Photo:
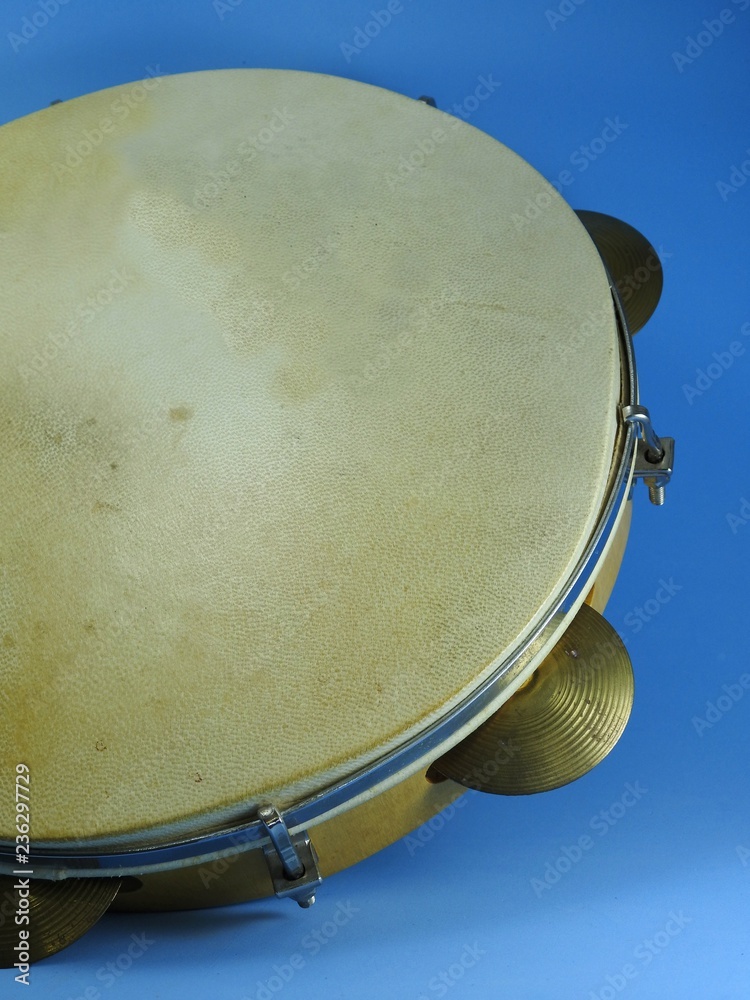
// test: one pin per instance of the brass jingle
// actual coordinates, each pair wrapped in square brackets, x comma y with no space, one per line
[625,253]
[557,726]
[59,913]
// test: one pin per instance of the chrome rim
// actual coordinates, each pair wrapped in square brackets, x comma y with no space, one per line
[222,840]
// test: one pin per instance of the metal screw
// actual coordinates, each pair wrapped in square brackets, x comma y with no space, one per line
[656,495]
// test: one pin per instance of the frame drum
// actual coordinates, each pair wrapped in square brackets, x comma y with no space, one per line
[313,447]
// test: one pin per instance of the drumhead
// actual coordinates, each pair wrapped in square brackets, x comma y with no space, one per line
[307,419]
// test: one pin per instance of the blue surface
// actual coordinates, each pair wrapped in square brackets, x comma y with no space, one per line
[656,902]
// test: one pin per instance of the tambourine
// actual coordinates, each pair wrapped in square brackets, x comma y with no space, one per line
[316,456]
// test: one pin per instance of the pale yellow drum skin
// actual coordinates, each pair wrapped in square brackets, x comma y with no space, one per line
[348,837]
[296,446]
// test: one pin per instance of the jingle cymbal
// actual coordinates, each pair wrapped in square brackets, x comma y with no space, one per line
[59,913]
[559,725]
[631,260]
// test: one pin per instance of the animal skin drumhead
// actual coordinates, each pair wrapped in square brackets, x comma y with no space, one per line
[305,424]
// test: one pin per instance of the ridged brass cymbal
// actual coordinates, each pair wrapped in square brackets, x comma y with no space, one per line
[631,260]
[557,726]
[59,913]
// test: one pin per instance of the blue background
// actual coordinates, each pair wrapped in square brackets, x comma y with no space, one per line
[411,913]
